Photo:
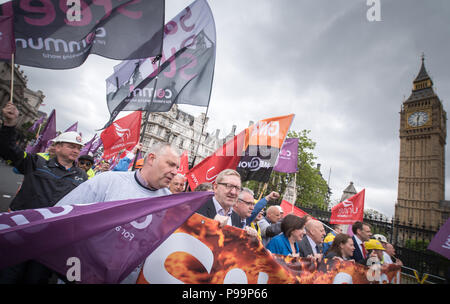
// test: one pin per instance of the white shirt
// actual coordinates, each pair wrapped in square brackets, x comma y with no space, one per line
[313,244]
[221,211]
[360,244]
[387,258]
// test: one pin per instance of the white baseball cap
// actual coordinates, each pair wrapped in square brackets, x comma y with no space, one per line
[69,137]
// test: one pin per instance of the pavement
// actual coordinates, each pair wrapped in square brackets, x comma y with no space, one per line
[9,183]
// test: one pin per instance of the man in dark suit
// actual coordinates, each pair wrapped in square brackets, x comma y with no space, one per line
[311,244]
[226,191]
[361,233]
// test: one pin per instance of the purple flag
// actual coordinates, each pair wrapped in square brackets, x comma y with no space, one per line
[288,157]
[109,239]
[87,146]
[7,45]
[186,72]
[96,145]
[441,241]
[56,34]
[46,136]
[36,124]
[73,127]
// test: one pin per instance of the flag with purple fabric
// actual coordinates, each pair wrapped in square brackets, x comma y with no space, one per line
[36,124]
[73,127]
[185,73]
[108,239]
[441,241]
[95,146]
[46,136]
[87,146]
[288,157]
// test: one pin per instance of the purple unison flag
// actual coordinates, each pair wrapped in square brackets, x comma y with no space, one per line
[186,72]
[46,136]
[73,127]
[288,157]
[7,45]
[441,241]
[56,34]
[109,239]
[36,124]
[87,146]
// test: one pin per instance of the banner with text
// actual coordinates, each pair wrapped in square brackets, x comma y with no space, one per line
[56,34]
[199,252]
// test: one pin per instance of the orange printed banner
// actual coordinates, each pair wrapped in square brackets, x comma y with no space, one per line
[199,252]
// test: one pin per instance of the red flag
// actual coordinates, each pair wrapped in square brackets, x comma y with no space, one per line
[349,211]
[226,157]
[122,134]
[289,208]
[184,163]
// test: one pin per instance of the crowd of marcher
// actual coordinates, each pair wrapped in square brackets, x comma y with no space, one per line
[60,176]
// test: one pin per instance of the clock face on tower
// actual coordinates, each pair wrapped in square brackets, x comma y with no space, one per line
[417,119]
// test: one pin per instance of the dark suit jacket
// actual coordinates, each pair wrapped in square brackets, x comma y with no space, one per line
[305,247]
[209,210]
[357,254]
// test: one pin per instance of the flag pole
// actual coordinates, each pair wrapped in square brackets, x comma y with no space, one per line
[147,113]
[262,191]
[200,138]
[12,78]
[295,197]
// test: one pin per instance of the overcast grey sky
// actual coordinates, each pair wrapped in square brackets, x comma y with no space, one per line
[344,78]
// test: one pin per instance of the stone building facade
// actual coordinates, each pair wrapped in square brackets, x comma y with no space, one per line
[26,100]
[183,130]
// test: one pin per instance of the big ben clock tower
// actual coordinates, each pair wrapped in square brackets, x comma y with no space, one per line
[421,180]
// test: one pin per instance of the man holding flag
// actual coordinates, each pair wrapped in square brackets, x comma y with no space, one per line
[45,182]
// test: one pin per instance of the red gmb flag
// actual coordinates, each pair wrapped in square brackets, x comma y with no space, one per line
[184,163]
[349,211]
[123,134]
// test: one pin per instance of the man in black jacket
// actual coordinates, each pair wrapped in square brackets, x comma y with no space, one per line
[226,191]
[45,182]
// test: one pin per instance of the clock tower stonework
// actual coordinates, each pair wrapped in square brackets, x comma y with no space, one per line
[421,180]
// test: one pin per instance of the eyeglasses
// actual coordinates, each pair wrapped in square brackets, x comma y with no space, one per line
[230,187]
[83,162]
[247,203]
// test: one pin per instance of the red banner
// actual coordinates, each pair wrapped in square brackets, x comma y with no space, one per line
[199,252]
[184,164]
[349,211]
[289,208]
[123,134]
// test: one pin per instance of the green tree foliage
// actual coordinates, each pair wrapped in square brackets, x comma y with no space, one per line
[312,189]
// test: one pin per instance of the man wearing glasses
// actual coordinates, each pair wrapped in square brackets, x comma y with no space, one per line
[226,191]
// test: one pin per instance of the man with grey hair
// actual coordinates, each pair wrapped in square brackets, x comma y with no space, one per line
[177,184]
[244,206]
[226,191]
[311,245]
[160,166]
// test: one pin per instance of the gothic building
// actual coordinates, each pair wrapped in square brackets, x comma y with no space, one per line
[421,180]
